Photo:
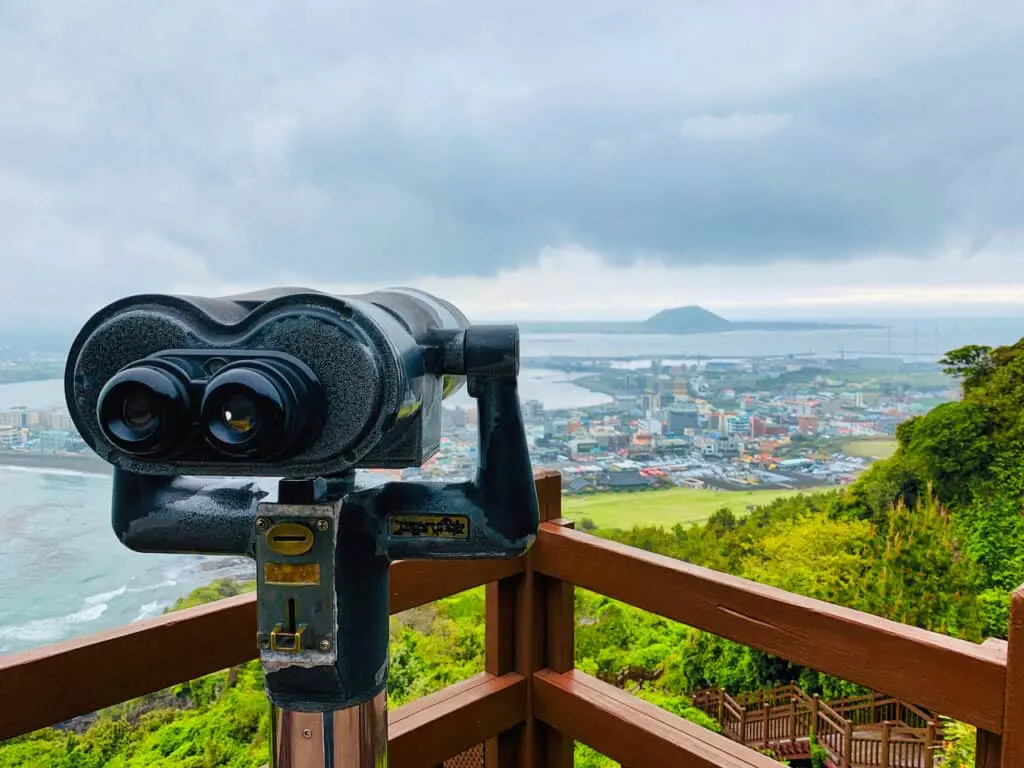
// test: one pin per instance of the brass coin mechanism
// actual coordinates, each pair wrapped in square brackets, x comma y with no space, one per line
[295,609]
[289,539]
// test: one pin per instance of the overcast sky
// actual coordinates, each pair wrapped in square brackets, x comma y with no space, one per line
[527,159]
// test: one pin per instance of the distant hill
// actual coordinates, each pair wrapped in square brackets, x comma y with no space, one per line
[688,319]
[691,319]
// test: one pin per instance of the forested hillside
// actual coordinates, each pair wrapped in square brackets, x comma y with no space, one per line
[933,536]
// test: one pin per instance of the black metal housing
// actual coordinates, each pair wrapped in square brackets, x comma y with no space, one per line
[360,379]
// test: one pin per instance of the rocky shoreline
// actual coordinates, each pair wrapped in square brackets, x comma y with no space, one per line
[68,462]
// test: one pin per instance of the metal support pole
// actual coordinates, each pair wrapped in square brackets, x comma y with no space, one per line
[354,737]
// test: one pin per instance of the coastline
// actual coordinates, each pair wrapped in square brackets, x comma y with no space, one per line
[68,462]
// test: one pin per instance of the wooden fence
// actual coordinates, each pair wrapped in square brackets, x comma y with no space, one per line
[530,703]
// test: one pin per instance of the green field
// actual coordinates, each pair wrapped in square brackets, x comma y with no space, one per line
[661,508]
[871,449]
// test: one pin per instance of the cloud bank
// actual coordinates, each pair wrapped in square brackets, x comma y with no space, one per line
[148,146]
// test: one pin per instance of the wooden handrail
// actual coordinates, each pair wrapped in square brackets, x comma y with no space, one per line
[425,732]
[731,706]
[834,718]
[770,696]
[630,730]
[876,652]
[107,668]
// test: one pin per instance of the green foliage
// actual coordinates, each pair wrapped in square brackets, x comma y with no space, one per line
[961,740]
[968,458]
[814,556]
[585,757]
[919,575]
[819,755]
[972,364]
[449,648]
[216,590]
[952,448]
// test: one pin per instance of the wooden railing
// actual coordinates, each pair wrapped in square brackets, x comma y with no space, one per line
[782,719]
[878,707]
[530,703]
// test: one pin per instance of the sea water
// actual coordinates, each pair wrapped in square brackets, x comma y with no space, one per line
[63,571]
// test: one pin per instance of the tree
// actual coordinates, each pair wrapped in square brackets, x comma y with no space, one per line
[952,448]
[919,573]
[971,364]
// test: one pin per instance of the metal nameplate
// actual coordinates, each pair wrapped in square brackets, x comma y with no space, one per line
[301,575]
[429,526]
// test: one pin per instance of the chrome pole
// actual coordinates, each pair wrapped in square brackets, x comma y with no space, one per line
[355,737]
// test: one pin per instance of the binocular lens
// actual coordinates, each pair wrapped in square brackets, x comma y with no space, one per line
[245,411]
[143,409]
[139,410]
[240,414]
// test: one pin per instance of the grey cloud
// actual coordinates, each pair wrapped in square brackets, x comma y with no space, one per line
[143,145]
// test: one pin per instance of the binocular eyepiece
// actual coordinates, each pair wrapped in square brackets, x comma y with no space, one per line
[257,407]
[288,382]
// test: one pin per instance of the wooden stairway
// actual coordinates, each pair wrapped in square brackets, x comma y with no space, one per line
[871,731]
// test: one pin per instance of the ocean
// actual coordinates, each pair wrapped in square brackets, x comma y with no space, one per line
[63,573]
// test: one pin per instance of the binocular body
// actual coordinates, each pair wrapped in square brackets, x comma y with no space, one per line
[287,382]
[308,387]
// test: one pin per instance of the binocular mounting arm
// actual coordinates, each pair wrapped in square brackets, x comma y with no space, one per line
[153,513]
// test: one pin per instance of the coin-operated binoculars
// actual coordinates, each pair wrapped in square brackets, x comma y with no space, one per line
[306,387]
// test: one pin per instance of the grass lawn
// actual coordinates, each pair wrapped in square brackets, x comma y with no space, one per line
[872,449]
[661,508]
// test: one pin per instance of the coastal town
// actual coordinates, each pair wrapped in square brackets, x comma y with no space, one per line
[782,423]
[727,425]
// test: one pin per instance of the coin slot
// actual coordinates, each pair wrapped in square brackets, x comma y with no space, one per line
[290,539]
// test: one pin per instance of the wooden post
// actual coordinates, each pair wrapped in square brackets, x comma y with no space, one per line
[560,651]
[884,758]
[765,723]
[792,720]
[534,629]
[930,734]
[500,658]
[517,640]
[1013,706]
[760,703]
[721,707]
[815,701]
[847,744]
[987,746]
[743,726]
